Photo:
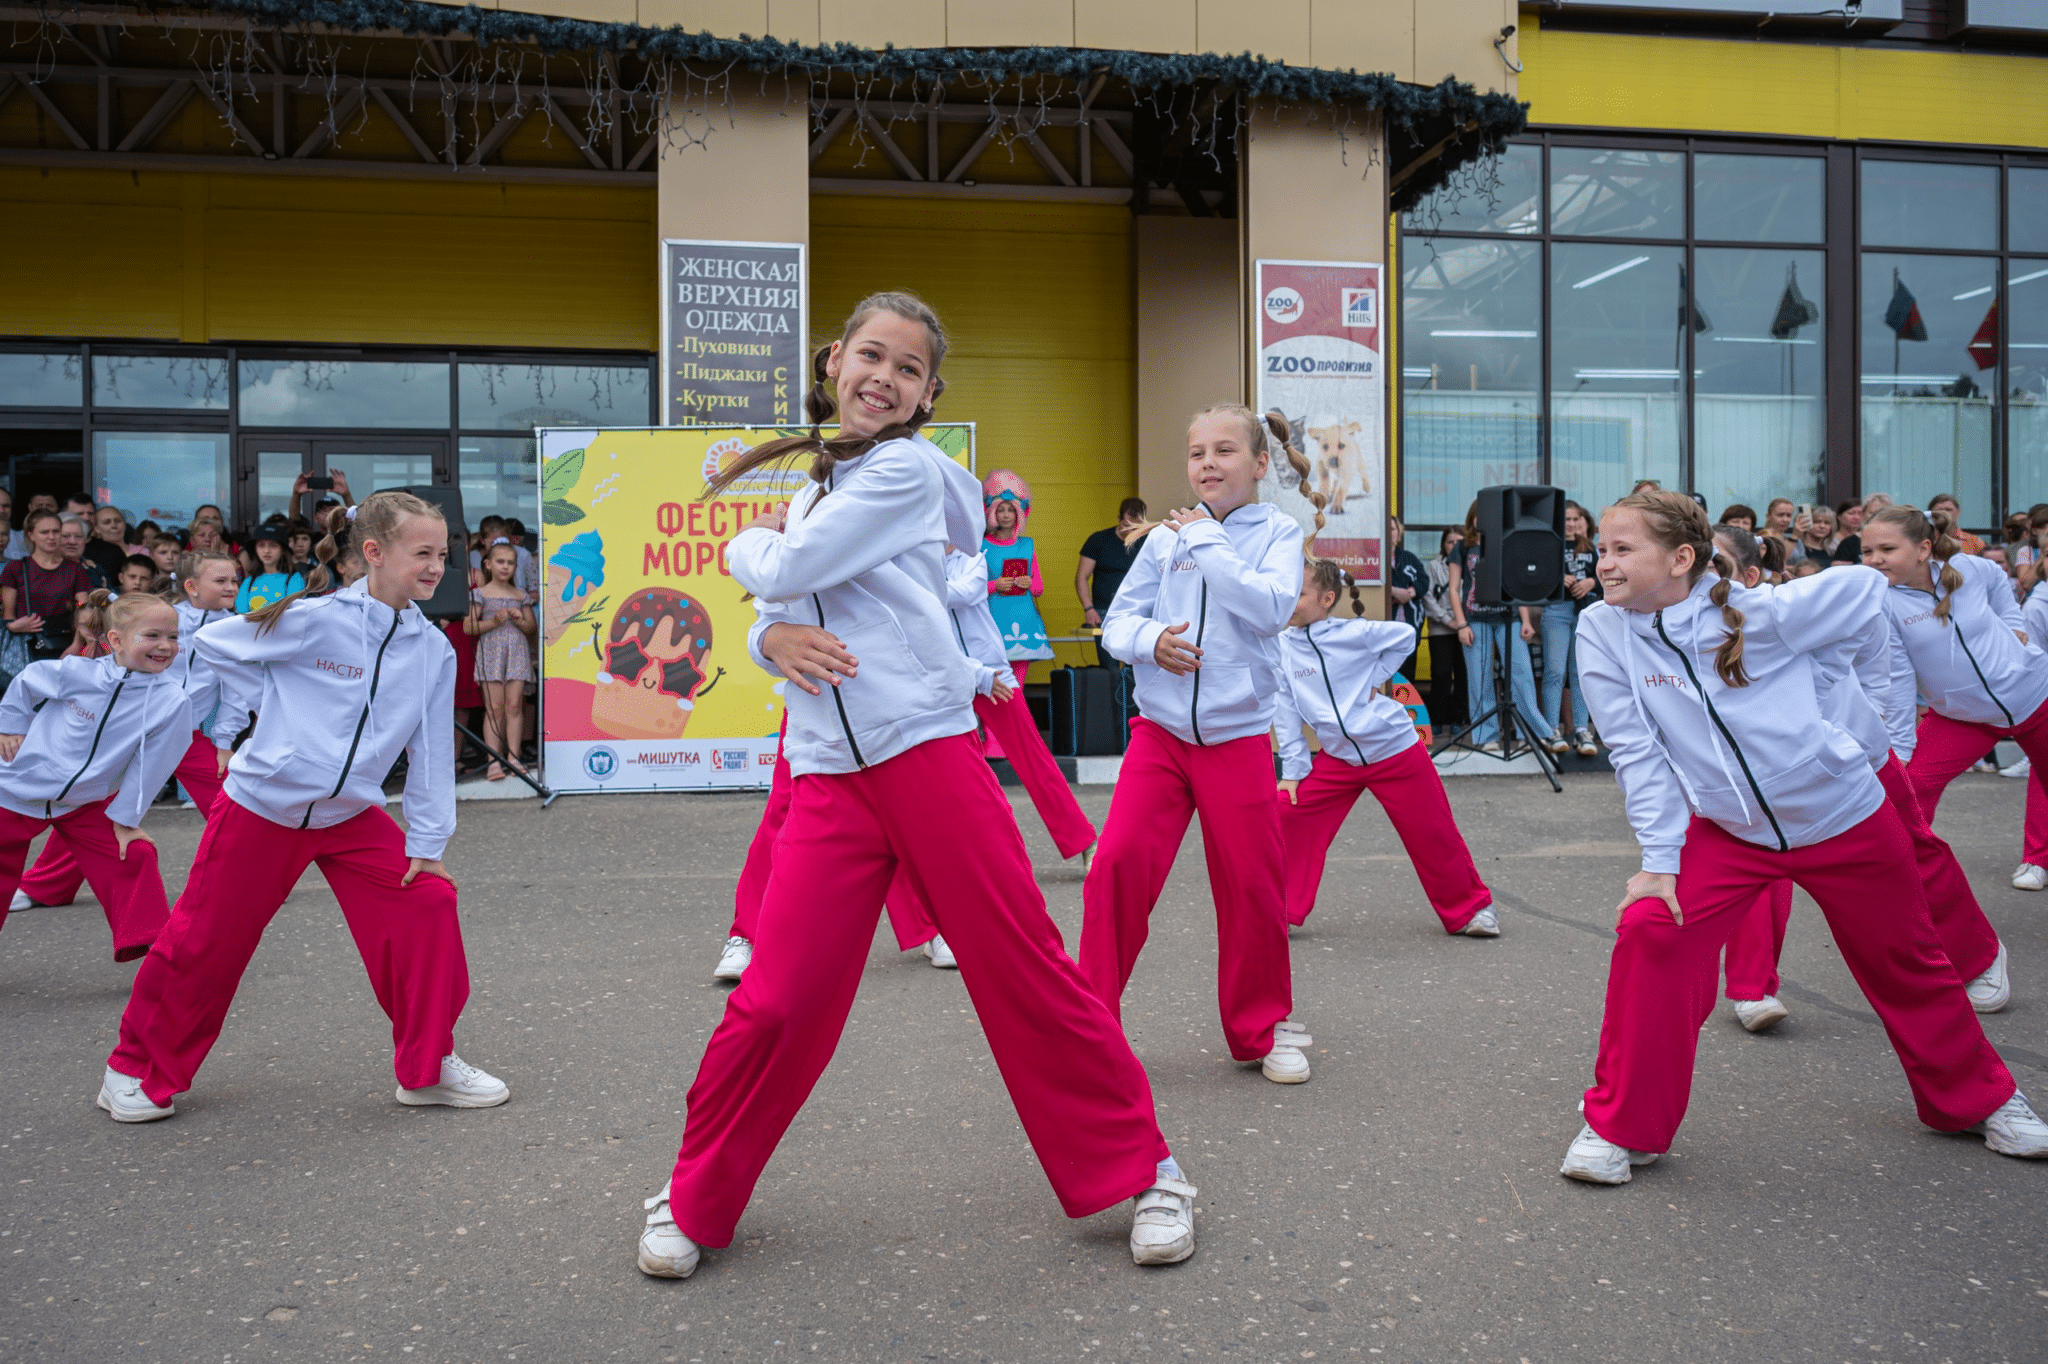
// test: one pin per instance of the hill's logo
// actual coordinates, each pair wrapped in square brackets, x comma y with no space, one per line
[1283,305]
[600,762]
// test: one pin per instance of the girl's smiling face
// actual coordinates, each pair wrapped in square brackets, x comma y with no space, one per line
[410,566]
[150,642]
[1903,562]
[883,375]
[1224,463]
[212,588]
[1636,572]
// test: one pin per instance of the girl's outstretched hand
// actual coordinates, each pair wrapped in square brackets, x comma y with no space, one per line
[1183,517]
[1650,885]
[10,744]
[1288,788]
[1175,654]
[801,652]
[430,865]
[124,835]
[1000,691]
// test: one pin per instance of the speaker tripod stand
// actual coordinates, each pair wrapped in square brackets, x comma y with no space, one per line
[1516,733]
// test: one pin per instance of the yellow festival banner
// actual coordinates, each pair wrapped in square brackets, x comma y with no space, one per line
[645,680]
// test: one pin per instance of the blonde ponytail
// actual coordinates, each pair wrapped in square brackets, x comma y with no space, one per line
[1674,519]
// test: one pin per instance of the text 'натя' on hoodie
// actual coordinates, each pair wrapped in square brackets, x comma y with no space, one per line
[92,728]
[1235,582]
[863,556]
[340,688]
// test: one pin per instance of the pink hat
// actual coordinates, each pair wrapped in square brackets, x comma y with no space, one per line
[1004,486]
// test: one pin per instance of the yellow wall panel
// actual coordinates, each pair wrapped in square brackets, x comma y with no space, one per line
[728,18]
[1150,26]
[1799,89]
[245,257]
[1036,299]
[1364,35]
[875,23]
[1010,23]
[1277,29]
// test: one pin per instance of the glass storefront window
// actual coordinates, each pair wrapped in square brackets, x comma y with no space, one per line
[160,476]
[1759,375]
[1925,203]
[499,476]
[1759,198]
[1616,192]
[2027,333]
[330,393]
[41,379]
[1617,350]
[1471,369]
[1504,195]
[1930,376]
[2027,209]
[370,471]
[160,381]
[514,397]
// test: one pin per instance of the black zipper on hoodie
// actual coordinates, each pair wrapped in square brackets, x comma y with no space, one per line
[839,700]
[49,806]
[1964,640]
[376,675]
[1308,633]
[1195,702]
[1684,661]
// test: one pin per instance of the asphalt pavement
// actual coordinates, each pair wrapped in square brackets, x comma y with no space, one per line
[1403,1205]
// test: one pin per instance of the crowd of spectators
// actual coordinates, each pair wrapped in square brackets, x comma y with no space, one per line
[61,552]
[1796,540]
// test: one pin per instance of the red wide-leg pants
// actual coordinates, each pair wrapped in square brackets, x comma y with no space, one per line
[1164,782]
[936,813]
[1939,759]
[409,936]
[1758,942]
[57,875]
[130,889]
[2034,846]
[1410,791]
[1660,981]
[1014,734]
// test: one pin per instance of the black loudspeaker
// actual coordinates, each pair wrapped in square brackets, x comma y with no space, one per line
[451,597]
[1522,546]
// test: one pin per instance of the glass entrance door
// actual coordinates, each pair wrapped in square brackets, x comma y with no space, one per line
[271,465]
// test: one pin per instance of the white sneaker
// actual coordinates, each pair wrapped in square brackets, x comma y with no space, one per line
[1556,743]
[1992,991]
[2015,1130]
[1163,1223]
[21,902]
[2027,876]
[2024,767]
[462,1086]
[665,1253]
[1761,1015]
[122,1097]
[734,960]
[1287,1063]
[1087,857]
[1597,1160]
[1484,924]
[1587,748]
[941,955]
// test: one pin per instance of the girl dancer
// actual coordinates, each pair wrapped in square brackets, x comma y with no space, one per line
[1733,779]
[341,685]
[2032,873]
[206,581]
[118,722]
[1330,674]
[1197,616]
[887,777]
[1964,633]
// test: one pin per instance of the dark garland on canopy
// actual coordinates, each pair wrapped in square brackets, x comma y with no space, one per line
[1433,131]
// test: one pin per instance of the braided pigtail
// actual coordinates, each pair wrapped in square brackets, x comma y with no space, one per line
[1351,586]
[821,402]
[326,554]
[1278,432]
[1728,658]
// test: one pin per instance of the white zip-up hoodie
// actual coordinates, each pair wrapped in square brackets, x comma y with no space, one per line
[1761,761]
[340,688]
[1972,667]
[973,623]
[864,557]
[2035,614]
[94,729]
[1235,583]
[1867,687]
[1331,670]
[202,688]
